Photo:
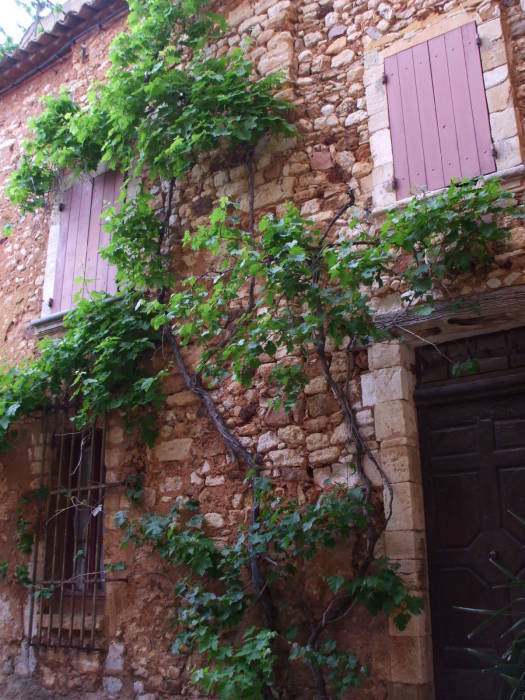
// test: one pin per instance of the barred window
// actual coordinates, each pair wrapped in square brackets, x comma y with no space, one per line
[68,573]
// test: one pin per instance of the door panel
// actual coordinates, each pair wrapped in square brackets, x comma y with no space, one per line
[473,455]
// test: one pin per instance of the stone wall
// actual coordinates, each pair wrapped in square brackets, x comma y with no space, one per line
[23,255]
[322,47]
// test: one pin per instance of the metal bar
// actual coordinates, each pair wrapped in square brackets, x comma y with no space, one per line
[64,541]
[99,530]
[93,487]
[78,469]
[99,580]
[37,531]
[46,530]
[55,522]
[87,539]
[72,646]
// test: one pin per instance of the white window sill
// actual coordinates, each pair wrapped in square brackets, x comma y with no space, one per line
[48,325]
[54,323]
[508,174]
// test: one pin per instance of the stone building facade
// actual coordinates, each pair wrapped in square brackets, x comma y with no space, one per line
[332,53]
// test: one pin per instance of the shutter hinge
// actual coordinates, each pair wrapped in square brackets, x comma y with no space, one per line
[494,151]
[478,40]
[61,206]
[50,302]
[394,184]
[384,79]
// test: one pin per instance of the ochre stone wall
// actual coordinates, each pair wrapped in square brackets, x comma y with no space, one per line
[321,48]
[23,255]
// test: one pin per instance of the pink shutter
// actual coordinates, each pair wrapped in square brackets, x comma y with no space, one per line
[79,268]
[102,264]
[78,195]
[80,239]
[411,119]
[428,118]
[94,235]
[60,265]
[111,287]
[438,113]
[397,127]
[459,87]
[444,109]
[478,98]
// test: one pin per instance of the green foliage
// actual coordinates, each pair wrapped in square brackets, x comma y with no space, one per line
[343,669]
[164,102]
[213,599]
[448,234]
[135,487]
[44,593]
[509,666]
[169,99]
[305,288]
[60,140]
[4,567]
[134,245]
[240,672]
[99,360]
[164,116]
[310,289]
[468,366]
[21,575]
[114,566]
[296,534]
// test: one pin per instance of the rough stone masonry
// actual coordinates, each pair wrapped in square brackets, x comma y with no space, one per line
[330,52]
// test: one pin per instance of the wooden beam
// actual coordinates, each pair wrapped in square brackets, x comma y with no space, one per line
[497,310]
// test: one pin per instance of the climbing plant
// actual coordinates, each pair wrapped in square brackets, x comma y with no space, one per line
[173,95]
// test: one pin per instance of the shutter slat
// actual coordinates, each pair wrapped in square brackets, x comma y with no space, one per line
[60,264]
[397,128]
[67,285]
[413,139]
[478,99]
[82,236]
[108,198]
[427,117]
[94,234]
[444,109]
[112,270]
[459,86]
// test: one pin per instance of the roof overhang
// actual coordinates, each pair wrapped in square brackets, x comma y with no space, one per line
[56,37]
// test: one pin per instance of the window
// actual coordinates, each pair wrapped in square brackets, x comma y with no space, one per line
[439,105]
[439,121]
[76,235]
[81,236]
[68,573]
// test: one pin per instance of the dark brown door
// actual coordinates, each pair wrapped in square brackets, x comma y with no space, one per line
[472,435]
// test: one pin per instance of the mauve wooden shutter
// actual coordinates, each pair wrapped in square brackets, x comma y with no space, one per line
[81,236]
[439,121]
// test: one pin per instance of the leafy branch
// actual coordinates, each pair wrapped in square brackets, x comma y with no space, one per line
[278,291]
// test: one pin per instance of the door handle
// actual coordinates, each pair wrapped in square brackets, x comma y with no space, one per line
[494,554]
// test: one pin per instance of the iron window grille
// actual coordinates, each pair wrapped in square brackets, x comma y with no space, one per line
[67,586]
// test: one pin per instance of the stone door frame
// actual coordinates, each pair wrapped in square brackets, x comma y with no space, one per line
[388,388]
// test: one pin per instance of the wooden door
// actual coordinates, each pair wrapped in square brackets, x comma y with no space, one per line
[472,436]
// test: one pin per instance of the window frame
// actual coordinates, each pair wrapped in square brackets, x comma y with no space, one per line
[51,321]
[495,70]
